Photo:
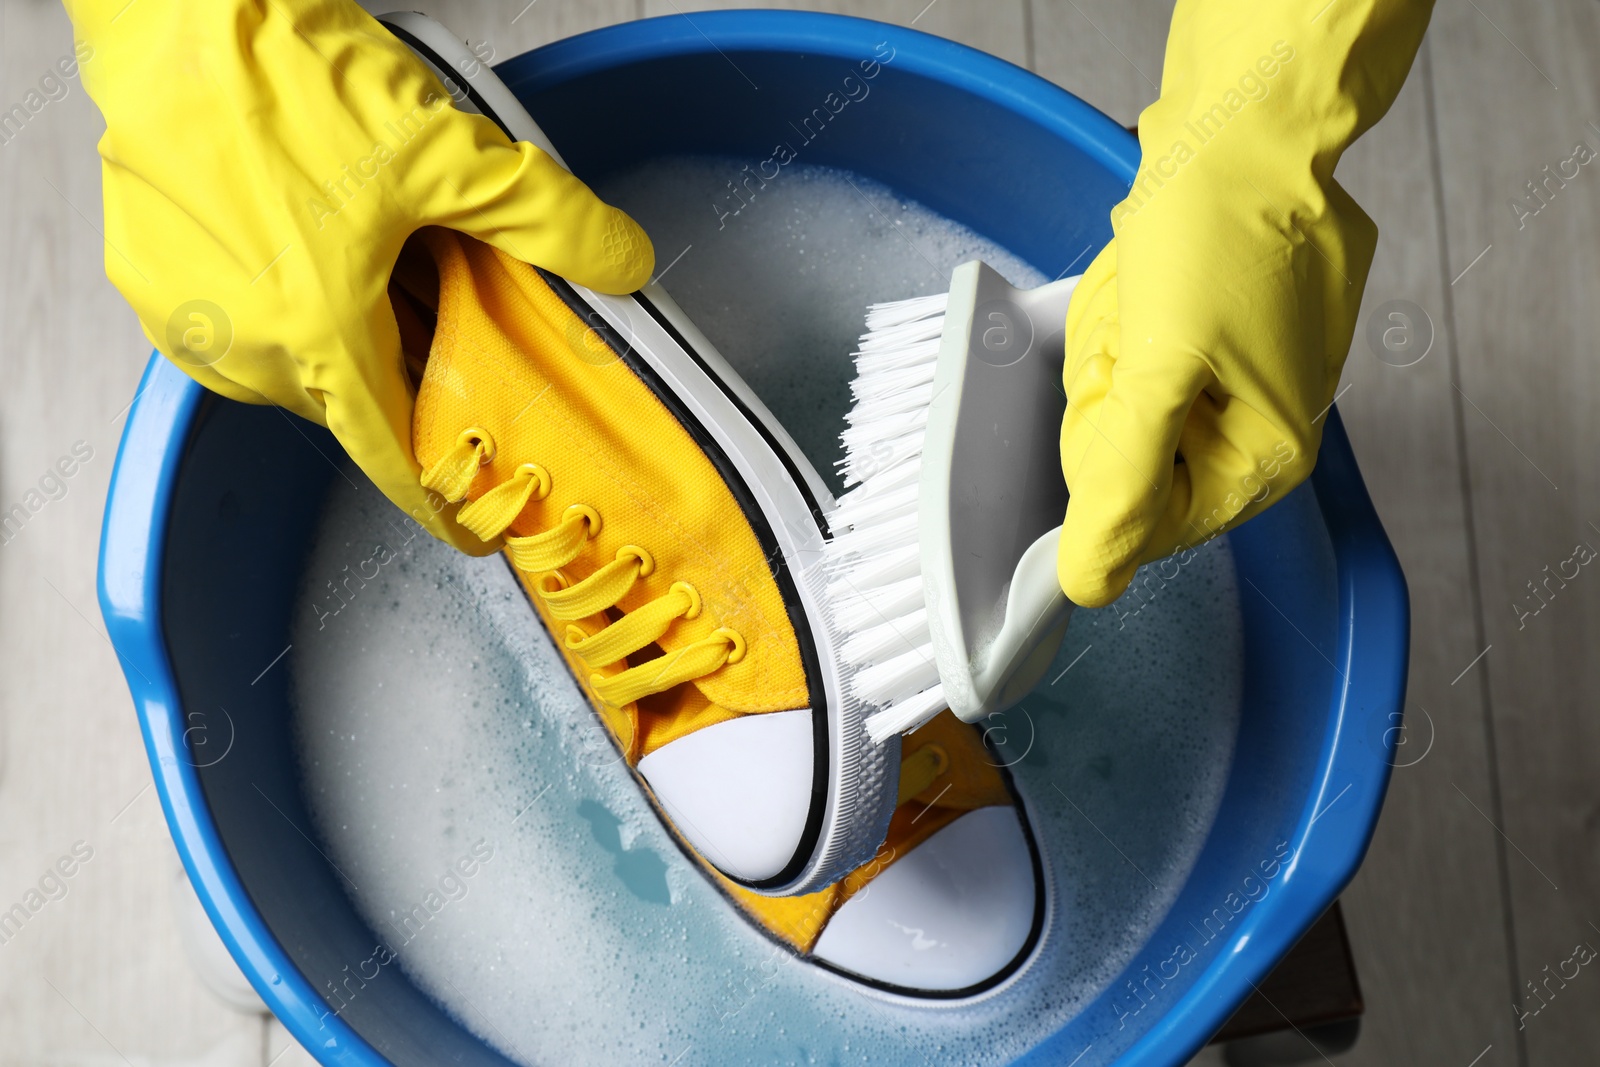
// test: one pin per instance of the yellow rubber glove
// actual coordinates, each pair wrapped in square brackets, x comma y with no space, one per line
[1205,342]
[263,163]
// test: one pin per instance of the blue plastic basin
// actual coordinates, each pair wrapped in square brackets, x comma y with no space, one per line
[212,507]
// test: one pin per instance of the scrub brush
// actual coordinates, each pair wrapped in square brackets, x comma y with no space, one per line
[942,559]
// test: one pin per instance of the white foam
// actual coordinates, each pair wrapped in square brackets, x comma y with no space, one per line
[781,286]
[434,713]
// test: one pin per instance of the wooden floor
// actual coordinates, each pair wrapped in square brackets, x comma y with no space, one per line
[1486,866]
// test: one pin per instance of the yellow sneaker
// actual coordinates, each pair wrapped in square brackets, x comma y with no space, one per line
[659,525]
[955,902]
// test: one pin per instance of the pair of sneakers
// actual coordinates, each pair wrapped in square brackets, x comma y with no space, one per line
[667,532]
[687,620]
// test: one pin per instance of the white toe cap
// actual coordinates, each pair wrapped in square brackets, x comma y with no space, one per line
[740,791]
[949,915]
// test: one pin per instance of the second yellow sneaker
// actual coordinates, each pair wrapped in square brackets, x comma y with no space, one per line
[956,901]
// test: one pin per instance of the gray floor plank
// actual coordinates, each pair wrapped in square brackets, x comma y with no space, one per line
[284,1051]
[1107,52]
[1426,912]
[1519,82]
[99,973]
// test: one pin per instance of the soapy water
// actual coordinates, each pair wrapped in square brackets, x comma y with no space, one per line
[440,732]
[781,285]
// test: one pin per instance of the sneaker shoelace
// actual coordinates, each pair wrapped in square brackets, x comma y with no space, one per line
[545,554]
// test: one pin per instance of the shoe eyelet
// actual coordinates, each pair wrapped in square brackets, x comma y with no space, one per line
[590,515]
[478,438]
[732,637]
[647,562]
[551,582]
[940,756]
[539,474]
[576,635]
[694,599]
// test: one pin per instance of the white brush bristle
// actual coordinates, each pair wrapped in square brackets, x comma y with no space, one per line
[874,570]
